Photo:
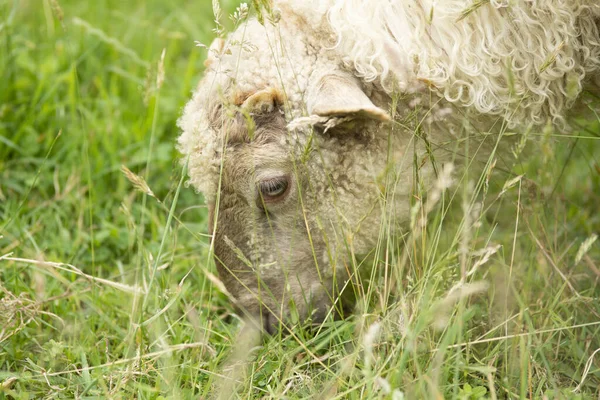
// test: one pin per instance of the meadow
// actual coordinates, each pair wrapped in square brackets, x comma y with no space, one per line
[107,284]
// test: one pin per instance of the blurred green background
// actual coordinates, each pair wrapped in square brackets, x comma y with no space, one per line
[88,69]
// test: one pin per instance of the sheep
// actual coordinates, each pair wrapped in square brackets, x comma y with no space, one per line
[312,129]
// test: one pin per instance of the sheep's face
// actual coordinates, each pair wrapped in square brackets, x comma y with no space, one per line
[294,210]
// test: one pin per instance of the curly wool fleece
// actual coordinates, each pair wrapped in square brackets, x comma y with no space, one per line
[526,61]
[441,73]
[466,49]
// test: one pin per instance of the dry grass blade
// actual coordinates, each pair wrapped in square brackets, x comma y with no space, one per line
[238,252]
[471,9]
[137,181]
[552,57]
[169,350]
[8,383]
[71,268]
[551,261]
[160,74]
[485,255]
[518,335]
[15,313]
[585,247]
[218,283]
[586,370]
[511,183]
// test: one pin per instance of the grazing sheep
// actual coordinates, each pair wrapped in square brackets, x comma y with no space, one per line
[309,134]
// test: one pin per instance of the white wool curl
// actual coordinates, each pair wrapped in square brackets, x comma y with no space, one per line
[525,60]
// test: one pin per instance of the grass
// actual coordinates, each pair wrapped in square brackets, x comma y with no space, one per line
[106,290]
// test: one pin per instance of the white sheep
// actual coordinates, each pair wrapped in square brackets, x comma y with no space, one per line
[309,133]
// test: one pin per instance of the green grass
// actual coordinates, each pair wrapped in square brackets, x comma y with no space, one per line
[79,99]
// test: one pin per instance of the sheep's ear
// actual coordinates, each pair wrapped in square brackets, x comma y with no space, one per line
[337,95]
[263,101]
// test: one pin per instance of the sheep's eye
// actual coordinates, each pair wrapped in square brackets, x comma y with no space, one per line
[273,189]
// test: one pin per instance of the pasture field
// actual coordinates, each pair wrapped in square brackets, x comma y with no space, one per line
[108,289]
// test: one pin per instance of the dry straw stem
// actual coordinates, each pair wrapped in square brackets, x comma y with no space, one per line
[167,351]
[71,268]
[518,335]
[551,261]
[586,370]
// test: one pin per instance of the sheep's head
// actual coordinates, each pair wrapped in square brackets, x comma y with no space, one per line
[293,208]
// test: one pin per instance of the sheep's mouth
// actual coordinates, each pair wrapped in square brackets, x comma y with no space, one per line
[272,324]
[312,318]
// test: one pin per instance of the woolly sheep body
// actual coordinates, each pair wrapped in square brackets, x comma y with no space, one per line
[550,46]
[440,72]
